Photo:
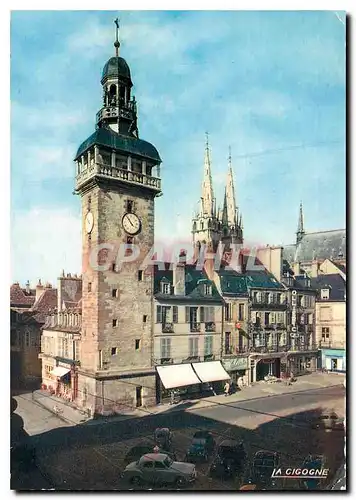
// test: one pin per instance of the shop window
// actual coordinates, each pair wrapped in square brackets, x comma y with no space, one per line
[334,363]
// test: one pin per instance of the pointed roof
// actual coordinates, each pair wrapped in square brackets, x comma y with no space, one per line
[230,195]
[207,197]
[300,229]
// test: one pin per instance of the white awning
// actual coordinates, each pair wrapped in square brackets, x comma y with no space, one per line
[173,376]
[60,371]
[210,371]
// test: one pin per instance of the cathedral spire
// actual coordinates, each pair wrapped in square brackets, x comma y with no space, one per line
[207,198]
[300,229]
[230,195]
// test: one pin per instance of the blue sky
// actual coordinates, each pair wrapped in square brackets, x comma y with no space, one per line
[270,84]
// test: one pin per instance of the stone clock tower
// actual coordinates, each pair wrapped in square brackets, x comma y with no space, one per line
[117,178]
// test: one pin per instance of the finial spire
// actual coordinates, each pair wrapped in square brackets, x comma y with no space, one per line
[207,140]
[229,156]
[117,43]
[300,229]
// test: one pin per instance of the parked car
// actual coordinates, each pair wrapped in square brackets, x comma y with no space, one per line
[201,448]
[139,450]
[328,421]
[312,462]
[263,464]
[163,438]
[230,459]
[158,469]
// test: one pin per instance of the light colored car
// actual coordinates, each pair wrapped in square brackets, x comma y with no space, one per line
[158,469]
[329,421]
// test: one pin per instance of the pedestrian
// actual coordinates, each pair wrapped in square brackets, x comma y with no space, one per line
[156,449]
[227,388]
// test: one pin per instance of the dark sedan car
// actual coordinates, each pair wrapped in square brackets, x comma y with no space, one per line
[230,459]
[201,448]
[263,464]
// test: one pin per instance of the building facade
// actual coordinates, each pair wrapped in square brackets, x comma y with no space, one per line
[331,321]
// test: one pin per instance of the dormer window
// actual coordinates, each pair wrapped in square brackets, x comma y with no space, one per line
[166,288]
[324,295]
[208,290]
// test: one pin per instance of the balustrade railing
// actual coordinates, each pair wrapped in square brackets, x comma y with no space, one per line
[119,173]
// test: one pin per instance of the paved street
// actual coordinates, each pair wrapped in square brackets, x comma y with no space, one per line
[90,456]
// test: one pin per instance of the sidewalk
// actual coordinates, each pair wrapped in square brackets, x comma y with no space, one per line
[72,415]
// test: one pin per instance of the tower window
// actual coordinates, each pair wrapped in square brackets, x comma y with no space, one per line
[145,318]
[129,205]
[114,293]
[113,351]
[140,274]
[114,322]
[89,287]
[113,267]
[137,344]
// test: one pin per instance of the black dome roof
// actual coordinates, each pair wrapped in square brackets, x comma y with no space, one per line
[115,67]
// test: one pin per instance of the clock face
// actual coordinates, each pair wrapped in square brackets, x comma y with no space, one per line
[131,223]
[89,222]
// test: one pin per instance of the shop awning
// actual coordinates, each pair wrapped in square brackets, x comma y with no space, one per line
[173,376]
[210,371]
[60,371]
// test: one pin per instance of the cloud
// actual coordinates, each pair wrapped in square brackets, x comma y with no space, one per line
[45,241]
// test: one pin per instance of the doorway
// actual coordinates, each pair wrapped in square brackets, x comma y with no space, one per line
[138,396]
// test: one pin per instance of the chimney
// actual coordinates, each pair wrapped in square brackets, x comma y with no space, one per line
[179,274]
[39,290]
[28,291]
[314,269]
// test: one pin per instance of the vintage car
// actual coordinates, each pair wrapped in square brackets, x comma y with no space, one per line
[230,459]
[163,438]
[201,448]
[263,464]
[329,421]
[158,469]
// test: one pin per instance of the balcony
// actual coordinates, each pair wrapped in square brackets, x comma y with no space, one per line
[264,304]
[121,174]
[195,327]
[304,347]
[210,326]
[167,328]
[263,349]
[329,344]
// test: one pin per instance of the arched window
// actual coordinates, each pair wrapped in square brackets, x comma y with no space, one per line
[201,225]
[112,94]
[122,93]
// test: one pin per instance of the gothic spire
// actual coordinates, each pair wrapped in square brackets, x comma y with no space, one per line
[225,212]
[207,198]
[230,195]
[300,229]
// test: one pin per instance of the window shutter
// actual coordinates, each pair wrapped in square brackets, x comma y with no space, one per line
[195,347]
[202,314]
[159,314]
[253,316]
[190,347]
[208,345]
[163,348]
[175,314]
[187,314]
[272,317]
[212,313]
[168,348]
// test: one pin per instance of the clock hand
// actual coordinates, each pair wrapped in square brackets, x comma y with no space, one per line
[130,221]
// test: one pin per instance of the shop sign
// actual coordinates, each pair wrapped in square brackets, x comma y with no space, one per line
[236,364]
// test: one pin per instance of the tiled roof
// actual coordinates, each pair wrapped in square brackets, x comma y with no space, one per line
[193,279]
[46,302]
[322,245]
[334,282]
[19,297]
[261,279]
